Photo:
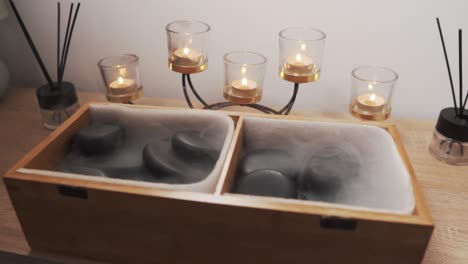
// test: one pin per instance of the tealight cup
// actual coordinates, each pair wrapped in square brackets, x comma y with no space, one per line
[301,52]
[371,92]
[244,72]
[187,46]
[121,77]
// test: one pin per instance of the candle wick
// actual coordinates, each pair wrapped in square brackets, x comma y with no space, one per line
[120,81]
[186,51]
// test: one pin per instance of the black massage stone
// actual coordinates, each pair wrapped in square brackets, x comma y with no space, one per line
[192,145]
[99,138]
[328,169]
[271,159]
[158,159]
[162,161]
[267,183]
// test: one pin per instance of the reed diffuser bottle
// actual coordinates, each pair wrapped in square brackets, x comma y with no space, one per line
[450,138]
[57,99]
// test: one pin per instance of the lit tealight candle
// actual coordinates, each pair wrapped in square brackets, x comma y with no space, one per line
[299,64]
[244,88]
[186,57]
[122,86]
[370,102]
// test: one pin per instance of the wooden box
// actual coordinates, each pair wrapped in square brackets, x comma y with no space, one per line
[135,224]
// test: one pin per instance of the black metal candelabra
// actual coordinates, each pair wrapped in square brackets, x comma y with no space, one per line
[267,110]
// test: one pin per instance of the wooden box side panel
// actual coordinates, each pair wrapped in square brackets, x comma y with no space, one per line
[227,176]
[421,207]
[52,149]
[122,227]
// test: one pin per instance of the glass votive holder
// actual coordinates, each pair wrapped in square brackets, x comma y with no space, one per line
[301,52]
[371,92]
[121,76]
[187,46]
[244,72]
[450,137]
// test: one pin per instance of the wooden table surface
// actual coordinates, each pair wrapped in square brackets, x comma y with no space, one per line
[445,187]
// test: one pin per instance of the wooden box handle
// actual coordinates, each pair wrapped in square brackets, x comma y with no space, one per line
[72,191]
[334,222]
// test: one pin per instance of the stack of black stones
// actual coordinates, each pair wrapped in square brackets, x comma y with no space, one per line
[275,173]
[185,157]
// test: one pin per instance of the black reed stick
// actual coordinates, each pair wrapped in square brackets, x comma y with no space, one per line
[460,70]
[31,44]
[464,104]
[65,41]
[448,65]
[68,42]
[58,39]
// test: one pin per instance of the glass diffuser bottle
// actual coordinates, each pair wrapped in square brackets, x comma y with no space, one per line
[57,103]
[450,138]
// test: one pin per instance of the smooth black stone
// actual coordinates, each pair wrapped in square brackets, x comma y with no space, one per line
[192,145]
[267,183]
[84,171]
[160,159]
[99,138]
[272,159]
[328,170]
[156,159]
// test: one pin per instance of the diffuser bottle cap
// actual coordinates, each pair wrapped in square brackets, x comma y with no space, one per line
[63,95]
[452,126]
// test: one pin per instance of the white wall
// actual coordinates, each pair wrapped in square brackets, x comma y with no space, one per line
[399,34]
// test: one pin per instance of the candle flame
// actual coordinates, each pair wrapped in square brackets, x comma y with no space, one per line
[243,70]
[244,81]
[123,71]
[186,51]
[120,80]
[370,86]
[372,97]
[298,57]
[303,46]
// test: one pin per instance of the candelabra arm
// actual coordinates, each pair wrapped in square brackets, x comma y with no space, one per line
[187,98]
[195,92]
[264,109]
[284,111]
[287,108]
[258,107]
[219,105]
